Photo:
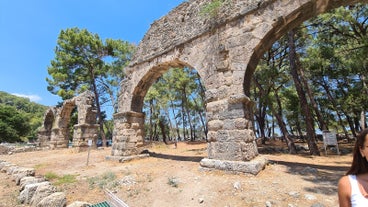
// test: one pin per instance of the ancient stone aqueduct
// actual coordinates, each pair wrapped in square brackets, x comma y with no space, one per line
[225,49]
[55,130]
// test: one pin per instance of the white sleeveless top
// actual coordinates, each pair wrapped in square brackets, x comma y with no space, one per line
[357,199]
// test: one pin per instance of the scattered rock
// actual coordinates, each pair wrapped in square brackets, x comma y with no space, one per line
[41,192]
[200,200]
[29,190]
[127,180]
[79,204]
[310,197]
[57,199]
[237,185]
[294,194]
[309,171]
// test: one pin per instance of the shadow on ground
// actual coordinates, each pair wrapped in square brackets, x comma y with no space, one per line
[323,177]
[175,157]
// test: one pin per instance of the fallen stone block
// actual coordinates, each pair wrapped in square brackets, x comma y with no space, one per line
[30,180]
[41,192]
[29,190]
[57,199]
[79,204]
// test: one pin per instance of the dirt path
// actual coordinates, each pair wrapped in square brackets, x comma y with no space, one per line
[173,177]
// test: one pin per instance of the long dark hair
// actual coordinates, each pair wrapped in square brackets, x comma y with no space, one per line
[359,164]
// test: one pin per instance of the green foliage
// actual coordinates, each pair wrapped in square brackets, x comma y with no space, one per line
[31,113]
[212,8]
[14,124]
[85,62]
[51,176]
[82,59]
[332,49]
[60,180]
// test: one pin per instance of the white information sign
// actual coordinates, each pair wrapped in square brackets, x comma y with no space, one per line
[89,149]
[329,139]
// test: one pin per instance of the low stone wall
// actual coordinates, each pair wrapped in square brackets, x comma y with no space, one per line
[6,149]
[35,190]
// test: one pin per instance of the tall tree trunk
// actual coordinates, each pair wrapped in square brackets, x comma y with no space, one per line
[334,104]
[183,119]
[363,122]
[98,107]
[187,111]
[302,98]
[322,123]
[290,142]
[201,118]
[176,122]
[163,131]
[170,124]
[262,112]
[151,120]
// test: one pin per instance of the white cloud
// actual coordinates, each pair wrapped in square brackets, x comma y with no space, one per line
[33,98]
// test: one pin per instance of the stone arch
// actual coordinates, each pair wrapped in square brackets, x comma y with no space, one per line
[44,133]
[225,50]
[55,130]
[147,79]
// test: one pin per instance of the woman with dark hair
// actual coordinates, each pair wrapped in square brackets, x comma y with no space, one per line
[353,187]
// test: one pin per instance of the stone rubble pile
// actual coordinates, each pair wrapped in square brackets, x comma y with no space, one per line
[35,191]
[8,149]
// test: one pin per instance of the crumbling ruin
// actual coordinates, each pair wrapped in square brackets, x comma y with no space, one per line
[224,47]
[55,130]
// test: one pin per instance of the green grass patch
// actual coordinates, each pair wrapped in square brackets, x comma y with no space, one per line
[60,180]
[66,179]
[51,176]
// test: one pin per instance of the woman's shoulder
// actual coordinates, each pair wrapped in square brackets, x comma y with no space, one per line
[344,180]
[344,184]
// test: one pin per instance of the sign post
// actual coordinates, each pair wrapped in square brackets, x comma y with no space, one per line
[329,139]
[89,149]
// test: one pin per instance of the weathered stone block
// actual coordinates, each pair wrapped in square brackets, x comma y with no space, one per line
[250,167]
[29,190]
[215,125]
[57,199]
[217,106]
[212,136]
[42,192]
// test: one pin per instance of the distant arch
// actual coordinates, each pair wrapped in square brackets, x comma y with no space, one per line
[55,130]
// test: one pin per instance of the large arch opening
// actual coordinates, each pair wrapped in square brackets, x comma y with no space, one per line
[314,60]
[150,78]
[175,108]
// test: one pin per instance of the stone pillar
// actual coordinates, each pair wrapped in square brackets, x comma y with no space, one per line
[232,145]
[230,130]
[43,136]
[59,138]
[128,135]
[84,132]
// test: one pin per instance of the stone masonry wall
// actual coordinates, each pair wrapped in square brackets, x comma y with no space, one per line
[224,48]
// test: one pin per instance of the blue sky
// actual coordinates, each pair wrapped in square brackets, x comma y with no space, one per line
[29,31]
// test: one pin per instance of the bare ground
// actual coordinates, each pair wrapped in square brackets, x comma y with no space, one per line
[173,177]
